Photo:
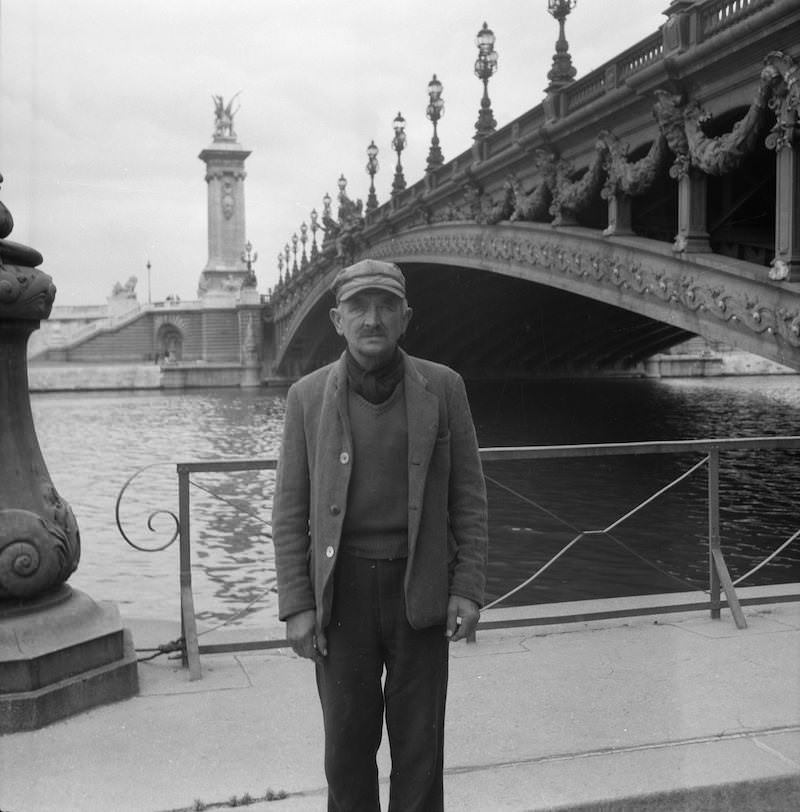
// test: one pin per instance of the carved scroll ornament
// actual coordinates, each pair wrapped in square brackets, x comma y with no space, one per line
[37,553]
[785,101]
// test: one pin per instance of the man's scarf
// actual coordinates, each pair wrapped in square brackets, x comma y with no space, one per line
[375,385]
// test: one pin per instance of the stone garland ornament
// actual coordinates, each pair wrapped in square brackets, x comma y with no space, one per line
[630,178]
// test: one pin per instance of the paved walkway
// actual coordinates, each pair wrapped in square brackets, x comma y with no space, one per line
[662,711]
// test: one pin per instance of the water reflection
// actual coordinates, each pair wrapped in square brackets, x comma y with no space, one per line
[93,442]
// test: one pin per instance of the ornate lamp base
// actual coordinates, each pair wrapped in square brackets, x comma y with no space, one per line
[61,654]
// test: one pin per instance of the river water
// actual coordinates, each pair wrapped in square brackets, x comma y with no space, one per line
[94,442]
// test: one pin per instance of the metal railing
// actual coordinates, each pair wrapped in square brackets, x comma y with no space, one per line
[719,578]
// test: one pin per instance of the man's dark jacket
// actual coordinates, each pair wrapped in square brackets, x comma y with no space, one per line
[447,514]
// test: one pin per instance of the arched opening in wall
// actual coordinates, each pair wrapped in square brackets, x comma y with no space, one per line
[654,214]
[170,343]
[741,204]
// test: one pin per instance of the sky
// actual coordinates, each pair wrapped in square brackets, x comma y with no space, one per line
[105,106]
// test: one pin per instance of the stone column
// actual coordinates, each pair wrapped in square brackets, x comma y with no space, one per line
[692,229]
[619,215]
[51,636]
[785,141]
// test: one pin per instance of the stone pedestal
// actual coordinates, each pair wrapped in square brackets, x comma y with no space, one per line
[61,654]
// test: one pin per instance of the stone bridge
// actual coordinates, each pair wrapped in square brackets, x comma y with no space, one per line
[656,198]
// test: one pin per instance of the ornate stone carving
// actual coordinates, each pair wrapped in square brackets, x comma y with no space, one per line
[668,112]
[535,206]
[569,196]
[781,71]
[632,179]
[718,156]
[25,293]
[37,553]
[504,208]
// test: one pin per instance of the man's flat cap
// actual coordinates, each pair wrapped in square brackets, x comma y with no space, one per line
[367,275]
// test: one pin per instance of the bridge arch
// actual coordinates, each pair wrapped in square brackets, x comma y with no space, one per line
[540,300]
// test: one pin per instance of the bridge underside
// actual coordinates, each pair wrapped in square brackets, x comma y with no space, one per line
[491,326]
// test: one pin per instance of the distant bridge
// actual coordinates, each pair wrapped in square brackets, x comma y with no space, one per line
[656,198]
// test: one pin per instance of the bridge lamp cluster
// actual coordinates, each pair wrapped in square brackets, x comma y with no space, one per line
[372,168]
[485,68]
[561,73]
[398,145]
[434,112]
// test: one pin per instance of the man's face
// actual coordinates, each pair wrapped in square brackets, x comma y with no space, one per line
[371,322]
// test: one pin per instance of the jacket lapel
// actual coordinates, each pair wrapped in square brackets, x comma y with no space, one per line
[422,414]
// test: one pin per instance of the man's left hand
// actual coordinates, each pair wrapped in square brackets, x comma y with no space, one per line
[462,618]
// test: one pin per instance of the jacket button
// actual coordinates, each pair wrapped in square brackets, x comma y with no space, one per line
[335,510]
[344,458]
[329,551]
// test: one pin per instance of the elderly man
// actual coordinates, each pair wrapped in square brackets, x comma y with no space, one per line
[380,532]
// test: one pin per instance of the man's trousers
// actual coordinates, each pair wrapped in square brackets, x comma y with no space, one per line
[368,633]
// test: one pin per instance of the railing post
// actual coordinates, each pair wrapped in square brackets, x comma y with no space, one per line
[718,570]
[713,529]
[191,649]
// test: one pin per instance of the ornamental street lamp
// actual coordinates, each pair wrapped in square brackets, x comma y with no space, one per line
[287,254]
[435,111]
[315,226]
[304,240]
[372,168]
[280,268]
[485,67]
[248,257]
[294,252]
[562,72]
[398,145]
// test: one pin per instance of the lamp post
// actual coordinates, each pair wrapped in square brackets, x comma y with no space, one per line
[148,266]
[562,72]
[280,269]
[314,228]
[435,111]
[398,145]
[287,253]
[304,240]
[485,67]
[372,168]
[294,252]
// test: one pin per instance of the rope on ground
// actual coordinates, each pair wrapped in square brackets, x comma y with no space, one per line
[164,648]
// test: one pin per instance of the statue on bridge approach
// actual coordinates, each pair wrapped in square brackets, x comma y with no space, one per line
[223,117]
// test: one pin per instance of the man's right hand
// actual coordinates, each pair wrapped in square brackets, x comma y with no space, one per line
[303,636]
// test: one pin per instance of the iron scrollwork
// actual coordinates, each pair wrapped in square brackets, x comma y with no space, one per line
[150,519]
